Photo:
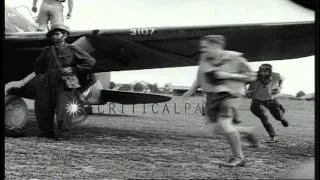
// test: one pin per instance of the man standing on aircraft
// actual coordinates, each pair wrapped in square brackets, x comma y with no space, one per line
[51,10]
[263,92]
[222,75]
[51,92]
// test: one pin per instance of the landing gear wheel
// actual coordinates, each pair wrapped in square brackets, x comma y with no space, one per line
[16,112]
[82,116]
[81,111]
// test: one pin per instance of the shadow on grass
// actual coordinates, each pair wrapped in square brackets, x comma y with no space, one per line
[92,133]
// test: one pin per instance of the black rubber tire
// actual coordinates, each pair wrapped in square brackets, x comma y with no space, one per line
[16,112]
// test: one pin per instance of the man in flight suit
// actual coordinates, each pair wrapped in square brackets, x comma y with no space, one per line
[51,93]
[51,10]
[222,75]
[263,92]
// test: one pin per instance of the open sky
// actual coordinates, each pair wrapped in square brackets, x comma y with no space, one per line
[109,14]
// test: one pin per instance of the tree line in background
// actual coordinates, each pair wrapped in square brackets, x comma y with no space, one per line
[154,88]
[142,87]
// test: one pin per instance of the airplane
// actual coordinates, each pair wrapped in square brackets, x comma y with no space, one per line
[141,48]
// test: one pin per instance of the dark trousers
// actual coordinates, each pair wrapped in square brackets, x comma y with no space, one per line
[52,97]
[258,108]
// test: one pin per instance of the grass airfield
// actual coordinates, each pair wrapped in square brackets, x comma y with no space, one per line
[165,140]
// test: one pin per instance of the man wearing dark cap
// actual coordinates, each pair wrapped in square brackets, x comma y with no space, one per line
[263,92]
[52,95]
[222,75]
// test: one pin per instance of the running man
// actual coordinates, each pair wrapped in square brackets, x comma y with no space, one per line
[222,76]
[263,92]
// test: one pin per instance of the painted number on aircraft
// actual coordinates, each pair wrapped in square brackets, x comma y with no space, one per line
[141,31]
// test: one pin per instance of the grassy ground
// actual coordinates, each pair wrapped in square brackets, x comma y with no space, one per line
[170,141]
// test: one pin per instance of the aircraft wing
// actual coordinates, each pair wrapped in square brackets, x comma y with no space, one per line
[176,47]
[125,97]
[104,96]
[146,48]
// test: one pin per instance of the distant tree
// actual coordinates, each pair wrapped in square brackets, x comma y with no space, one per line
[138,87]
[167,87]
[150,87]
[153,87]
[300,94]
[112,85]
[125,87]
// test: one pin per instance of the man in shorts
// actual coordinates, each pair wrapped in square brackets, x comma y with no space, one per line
[51,10]
[222,75]
[263,92]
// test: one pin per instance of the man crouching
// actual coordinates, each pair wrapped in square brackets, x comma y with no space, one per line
[222,76]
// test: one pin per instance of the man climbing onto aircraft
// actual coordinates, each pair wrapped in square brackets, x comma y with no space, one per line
[52,94]
[222,76]
[263,92]
[51,10]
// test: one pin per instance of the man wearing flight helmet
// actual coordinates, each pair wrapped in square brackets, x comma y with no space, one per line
[52,95]
[263,92]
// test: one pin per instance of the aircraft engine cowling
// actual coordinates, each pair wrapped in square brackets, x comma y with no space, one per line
[16,112]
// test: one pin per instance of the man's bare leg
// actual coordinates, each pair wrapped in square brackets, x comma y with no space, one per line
[249,135]
[233,137]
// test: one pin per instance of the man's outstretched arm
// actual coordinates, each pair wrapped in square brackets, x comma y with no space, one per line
[192,90]
[70,6]
[245,73]
[277,90]
[84,60]
[281,81]
[34,6]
